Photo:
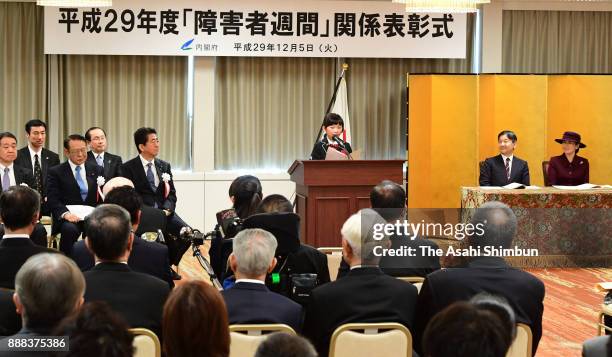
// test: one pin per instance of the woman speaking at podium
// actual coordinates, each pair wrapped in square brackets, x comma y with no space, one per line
[333,125]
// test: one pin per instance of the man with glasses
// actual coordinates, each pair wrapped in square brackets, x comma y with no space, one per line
[96,139]
[72,183]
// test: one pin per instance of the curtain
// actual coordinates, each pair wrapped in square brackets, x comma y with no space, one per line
[557,42]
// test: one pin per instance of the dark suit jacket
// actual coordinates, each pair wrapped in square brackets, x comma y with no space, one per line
[63,190]
[252,303]
[134,171]
[138,297]
[13,253]
[493,172]
[364,295]
[319,151]
[596,347]
[524,292]
[48,159]
[22,175]
[10,321]
[146,257]
[112,164]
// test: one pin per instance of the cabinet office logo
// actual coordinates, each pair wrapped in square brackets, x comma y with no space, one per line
[187,45]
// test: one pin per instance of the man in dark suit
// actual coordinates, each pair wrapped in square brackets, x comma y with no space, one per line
[249,301]
[489,274]
[37,159]
[96,139]
[19,211]
[10,322]
[12,175]
[138,297]
[365,294]
[72,183]
[153,180]
[504,168]
[146,257]
[49,287]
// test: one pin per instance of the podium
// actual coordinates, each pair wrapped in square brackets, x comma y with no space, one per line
[328,192]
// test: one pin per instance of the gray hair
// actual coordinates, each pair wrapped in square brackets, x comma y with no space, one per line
[358,231]
[499,224]
[254,250]
[49,286]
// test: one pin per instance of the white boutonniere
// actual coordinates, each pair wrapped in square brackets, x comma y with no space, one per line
[24,184]
[166,178]
[100,181]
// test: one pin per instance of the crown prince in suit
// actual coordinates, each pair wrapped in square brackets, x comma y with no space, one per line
[153,180]
[504,168]
[75,182]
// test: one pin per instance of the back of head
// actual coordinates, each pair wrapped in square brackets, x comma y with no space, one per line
[97,331]
[50,287]
[465,330]
[247,194]
[19,207]
[498,223]
[275,203]
[254,250]
[499,306]
[116,182]
[108,231]
[389,200]
[363,232]
[195,322]
[284,345]
[126,197]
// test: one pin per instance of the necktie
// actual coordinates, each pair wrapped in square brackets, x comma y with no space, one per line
[82,185]
[38,181]
[508,168]
[151,178]
[6,181]
[99,160]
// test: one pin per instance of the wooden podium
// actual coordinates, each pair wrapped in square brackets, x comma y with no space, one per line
[328,192]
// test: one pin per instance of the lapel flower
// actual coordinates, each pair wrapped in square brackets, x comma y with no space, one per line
[100,181]
[24,184]
[166,177]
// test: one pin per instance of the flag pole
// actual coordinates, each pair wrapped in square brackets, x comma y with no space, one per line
[345,67]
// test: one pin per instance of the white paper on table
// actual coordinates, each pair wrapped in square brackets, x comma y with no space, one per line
[80,211]
[491,187]
[584,186]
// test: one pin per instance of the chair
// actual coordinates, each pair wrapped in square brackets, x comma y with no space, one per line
[373,339]
[417,281]
[244,339]
[523,343]
[606,309]
[545,165]
[146,343]
[334,258]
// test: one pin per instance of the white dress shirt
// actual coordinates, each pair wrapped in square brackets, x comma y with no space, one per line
[511,157]
[144,165]
[7,236]
[73,168]
[12,180]
[253,281]
[32,160]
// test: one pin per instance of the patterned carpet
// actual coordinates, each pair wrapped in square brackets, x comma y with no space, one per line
[570,307]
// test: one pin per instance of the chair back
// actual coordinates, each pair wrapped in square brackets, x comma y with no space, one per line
[545,165]
[417,281]
[522,345]
[244,339]
[371,339]
[146,343]
[334,258]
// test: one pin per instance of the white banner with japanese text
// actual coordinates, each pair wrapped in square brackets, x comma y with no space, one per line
[267,28]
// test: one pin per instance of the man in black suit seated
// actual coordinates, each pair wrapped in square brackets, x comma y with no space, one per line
[153,181]
[365,294]
[249,300]
[75,182]
[138,297]
[37,159]
[48,287]
[19,211]
[389,200]
[13,175]
[146,257]
[10,322]
[96,139]
[504,168]
[489,274]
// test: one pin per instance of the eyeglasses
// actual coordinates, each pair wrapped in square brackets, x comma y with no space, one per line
[78,151]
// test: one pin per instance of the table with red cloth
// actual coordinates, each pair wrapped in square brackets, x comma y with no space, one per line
[570,228]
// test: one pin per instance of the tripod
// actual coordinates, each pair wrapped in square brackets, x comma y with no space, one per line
[197,239]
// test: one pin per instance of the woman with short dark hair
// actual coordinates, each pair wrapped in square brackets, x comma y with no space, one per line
[569,169]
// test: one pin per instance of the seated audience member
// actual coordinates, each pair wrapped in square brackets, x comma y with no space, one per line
[146,257]
[48,288]
[195,322]
[284,345]
[138,297]
[365,294]
[600,346]
[10,322]
[464,329]
[96,331]
[249,301]
[74,182]
[523,291]
[504,168]
[245,194]
[569,169]
[96,140]
[15,175]
[389,200]
[19,207]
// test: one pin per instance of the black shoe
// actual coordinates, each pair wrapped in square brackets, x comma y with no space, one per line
[175,275]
